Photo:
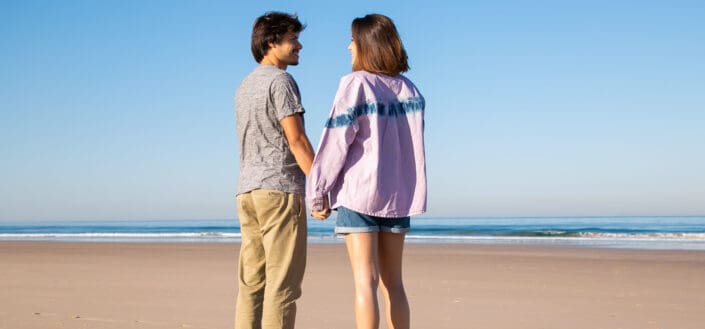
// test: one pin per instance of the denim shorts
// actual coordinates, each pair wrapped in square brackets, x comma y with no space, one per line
[349,221]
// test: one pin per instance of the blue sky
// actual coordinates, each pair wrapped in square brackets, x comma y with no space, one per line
[124,109]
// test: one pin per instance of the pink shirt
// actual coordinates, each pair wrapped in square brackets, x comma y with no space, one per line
[371,154]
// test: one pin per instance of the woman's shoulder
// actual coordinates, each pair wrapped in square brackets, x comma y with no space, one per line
[370,80]
[358,80]
[374,78]
[355,77]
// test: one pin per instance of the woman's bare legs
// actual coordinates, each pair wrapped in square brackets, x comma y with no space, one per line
[391,247]
[362,250]
[374,255]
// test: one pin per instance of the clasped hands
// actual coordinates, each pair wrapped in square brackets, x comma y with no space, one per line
[323,213]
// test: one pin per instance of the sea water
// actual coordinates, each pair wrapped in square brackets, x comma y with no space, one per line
[645,232]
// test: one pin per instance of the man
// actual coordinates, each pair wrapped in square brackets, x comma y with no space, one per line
[275,154]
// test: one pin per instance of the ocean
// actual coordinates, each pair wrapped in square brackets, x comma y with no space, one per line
[654,233]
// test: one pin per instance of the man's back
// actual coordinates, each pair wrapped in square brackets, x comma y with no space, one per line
[264,98]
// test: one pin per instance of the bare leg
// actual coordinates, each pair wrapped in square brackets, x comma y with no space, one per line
[362,250]
[391,246]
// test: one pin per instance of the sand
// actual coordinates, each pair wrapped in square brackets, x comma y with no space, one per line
[192,285]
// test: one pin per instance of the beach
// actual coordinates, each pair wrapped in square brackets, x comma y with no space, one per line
[193,285]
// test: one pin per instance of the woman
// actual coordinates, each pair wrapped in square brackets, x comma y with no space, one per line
[371,161]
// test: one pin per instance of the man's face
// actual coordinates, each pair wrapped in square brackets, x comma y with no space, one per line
[286,52]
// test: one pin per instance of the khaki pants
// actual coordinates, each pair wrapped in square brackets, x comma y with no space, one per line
[272,258]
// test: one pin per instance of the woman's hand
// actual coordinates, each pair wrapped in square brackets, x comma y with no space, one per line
[325,212]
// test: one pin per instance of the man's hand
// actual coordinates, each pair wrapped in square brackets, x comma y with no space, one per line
[320,215]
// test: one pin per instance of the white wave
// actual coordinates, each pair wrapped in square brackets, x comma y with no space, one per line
[581,236]
[216,235]
[645,236]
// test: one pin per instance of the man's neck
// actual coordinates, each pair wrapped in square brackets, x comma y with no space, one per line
[274,62]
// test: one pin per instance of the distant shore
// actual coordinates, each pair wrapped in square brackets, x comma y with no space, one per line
[193,285]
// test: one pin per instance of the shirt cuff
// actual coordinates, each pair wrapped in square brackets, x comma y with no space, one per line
[317,203]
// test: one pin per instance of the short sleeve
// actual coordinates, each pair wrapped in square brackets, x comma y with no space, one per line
[285,97]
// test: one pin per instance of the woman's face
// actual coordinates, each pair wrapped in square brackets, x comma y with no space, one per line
[353,50]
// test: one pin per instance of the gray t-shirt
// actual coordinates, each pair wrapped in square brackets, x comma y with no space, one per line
[266,96]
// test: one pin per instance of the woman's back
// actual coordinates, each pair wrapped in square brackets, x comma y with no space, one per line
[376,129]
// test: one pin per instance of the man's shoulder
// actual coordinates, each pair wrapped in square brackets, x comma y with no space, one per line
[261,79]
[267,73]
[272,72]
[282,76]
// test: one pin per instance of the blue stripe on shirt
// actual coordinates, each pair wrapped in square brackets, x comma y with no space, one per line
[414,104]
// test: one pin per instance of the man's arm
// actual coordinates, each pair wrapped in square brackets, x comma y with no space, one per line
[299,144]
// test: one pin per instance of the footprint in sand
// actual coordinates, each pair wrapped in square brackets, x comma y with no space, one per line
[82,318]
[181,325]
[149,322]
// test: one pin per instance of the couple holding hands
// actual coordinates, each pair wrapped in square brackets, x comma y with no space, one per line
[369,167]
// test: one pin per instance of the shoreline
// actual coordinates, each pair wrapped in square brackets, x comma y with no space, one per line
[193,285]
[558,242]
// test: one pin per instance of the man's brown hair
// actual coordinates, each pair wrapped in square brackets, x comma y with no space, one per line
[271,27]
[379,47]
